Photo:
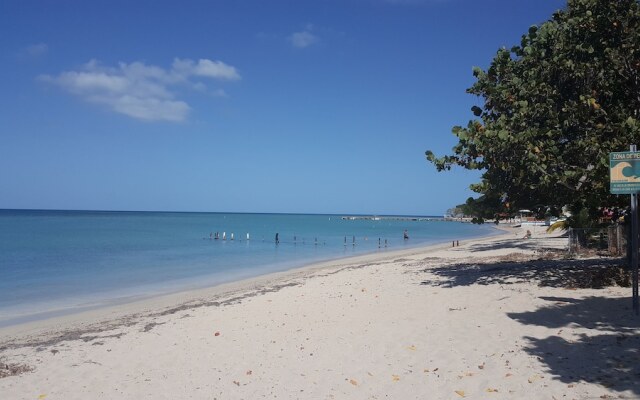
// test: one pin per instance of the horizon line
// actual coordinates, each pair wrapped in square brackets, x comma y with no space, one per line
[220,212]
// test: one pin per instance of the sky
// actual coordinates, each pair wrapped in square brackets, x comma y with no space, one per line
[300,106]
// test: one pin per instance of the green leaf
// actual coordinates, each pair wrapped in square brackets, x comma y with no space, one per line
[560,99]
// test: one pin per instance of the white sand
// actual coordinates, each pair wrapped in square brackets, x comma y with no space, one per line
[418,324]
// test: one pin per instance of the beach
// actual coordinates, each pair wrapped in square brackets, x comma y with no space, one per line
[500,317]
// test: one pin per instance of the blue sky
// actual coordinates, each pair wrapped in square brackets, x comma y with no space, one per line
[311,106]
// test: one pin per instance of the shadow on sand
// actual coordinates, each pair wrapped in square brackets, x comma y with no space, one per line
[520,244]
[610,358]
[609,355]
[593,273]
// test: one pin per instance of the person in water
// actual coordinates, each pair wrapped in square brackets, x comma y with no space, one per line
[406,235]
[277,238]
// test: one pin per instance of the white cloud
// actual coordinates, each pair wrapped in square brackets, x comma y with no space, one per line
[303,39]
[205,68]
[216,69]
[148,109]
[142,91]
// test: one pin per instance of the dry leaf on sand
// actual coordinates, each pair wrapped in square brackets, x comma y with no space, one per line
[534,378]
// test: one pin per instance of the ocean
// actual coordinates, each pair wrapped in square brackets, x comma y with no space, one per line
[57,262]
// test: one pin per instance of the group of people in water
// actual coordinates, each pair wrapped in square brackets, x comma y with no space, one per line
[216,236]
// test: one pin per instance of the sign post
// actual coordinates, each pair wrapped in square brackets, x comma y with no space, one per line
[634,250]
[624,170]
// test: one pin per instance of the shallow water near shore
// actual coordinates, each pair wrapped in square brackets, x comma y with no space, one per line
[64,261]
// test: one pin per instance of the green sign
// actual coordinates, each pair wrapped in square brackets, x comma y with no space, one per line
[624,170]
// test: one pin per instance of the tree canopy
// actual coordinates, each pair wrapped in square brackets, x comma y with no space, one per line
[482,208]
[553,109]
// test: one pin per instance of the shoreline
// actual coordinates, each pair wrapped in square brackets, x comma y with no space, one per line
[497,317]
[104,312]
[133,303]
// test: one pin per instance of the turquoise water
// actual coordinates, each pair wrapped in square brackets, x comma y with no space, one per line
[62,261]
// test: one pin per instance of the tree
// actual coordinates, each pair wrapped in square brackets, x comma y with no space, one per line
[455,212]
[485,207]
[554,107]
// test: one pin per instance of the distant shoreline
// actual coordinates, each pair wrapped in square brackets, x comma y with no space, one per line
[213,212]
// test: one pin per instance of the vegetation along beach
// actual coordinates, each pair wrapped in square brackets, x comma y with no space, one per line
[247,200]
